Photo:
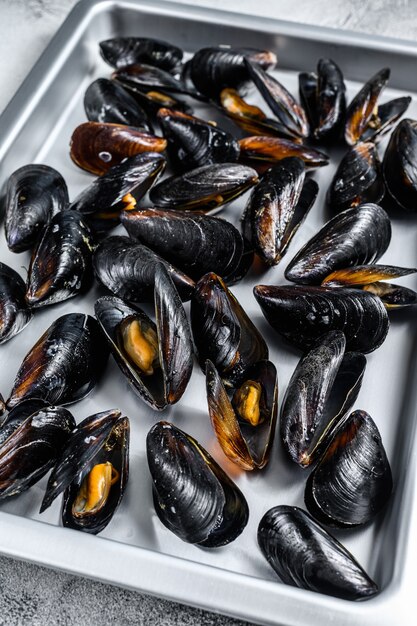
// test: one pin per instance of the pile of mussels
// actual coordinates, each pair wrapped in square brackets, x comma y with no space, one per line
[335,312]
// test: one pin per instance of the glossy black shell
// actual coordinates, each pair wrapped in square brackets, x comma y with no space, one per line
[106,101]
[14,312]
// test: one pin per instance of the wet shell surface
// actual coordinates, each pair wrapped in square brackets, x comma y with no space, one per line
[106,101]
[121,51]
[400,165]
[361,110]
[265,149]
[14,312]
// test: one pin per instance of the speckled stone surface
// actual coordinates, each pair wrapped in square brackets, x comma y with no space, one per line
[34,595]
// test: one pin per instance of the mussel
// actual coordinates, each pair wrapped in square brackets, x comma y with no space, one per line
[34,194]
[204,188]
[303,314]
[352,481]
[365,275]
[223,332]
[393,296]
[259,150]
[120,188]
[156,359]
[151,100]
[193,497]
[305,555]
[122,51]
[107,102]
[385,117]
[196,244]
[322,389]
[60,266]
[92,469]
[193,142]
[358,179]
[64,364]
[96,146]
[31,447]
[127,269]
[356,236]
[245,425]
[148,78]
[14,312]
[400,165]
[363,109]
[276,208]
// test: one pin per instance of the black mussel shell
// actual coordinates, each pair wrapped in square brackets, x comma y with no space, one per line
[205,188]
[96,146]
[281,102]
[149,78]
[32,448]
[193,142]
[127,269]
[385,117]
[393,296]
[365,275]
[357,236]
[106,101]
[121,187]
[322,389]
[305,555]
[153,100]
[16,416]
[196,244]
[358,178]
[193,496]
[352,481]
[60,266]
[246,442]
[214,69]
[303,314]
[34,194]
[331,101]
[222,331]
[400,165]
[276,208]
[360,112]
[64,364]
[259,150]
[307,87]
[121,51]
[14,312]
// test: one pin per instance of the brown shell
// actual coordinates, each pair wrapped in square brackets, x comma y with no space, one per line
[273,149]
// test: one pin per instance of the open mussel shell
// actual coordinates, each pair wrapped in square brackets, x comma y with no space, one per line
[357,236]
[107,102]
[331,101]
[214,69]
[385,117]
[64,364]
[127,269]
[34,194]
[223,333]
[305,555]
[358,179]
[265,149]
[400,165]
[276,208]
[14,312]
[393,296]
[147,78]
[365,275]
[196,244]
[193,142]
[352,481]
[303,314]
[245,428]
[60,266]
[153,100]
[96,146]
[122,51]
[361,110]
[32,448]
[280,101]
[205,188]
[322,389]
[193,496]
[120,188]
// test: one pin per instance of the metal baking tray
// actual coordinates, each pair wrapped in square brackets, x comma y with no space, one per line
[135,550]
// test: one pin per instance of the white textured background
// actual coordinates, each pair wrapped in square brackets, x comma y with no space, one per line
[37,596]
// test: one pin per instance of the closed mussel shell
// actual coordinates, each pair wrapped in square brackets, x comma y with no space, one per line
[60,266]
[34,194]
[303,314]
[106,101]
[148,78]
[400,165]
[305,555]
[17,415]
[322,389]
[64,364]
[121,51]
[245,426]
[352,481]
[14,312]
[331,101]
[361,110]
[356,236]
[127,269]
[276,208]
[32,448]
[205,188]
[358,178]
[223,332]
[193,496]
